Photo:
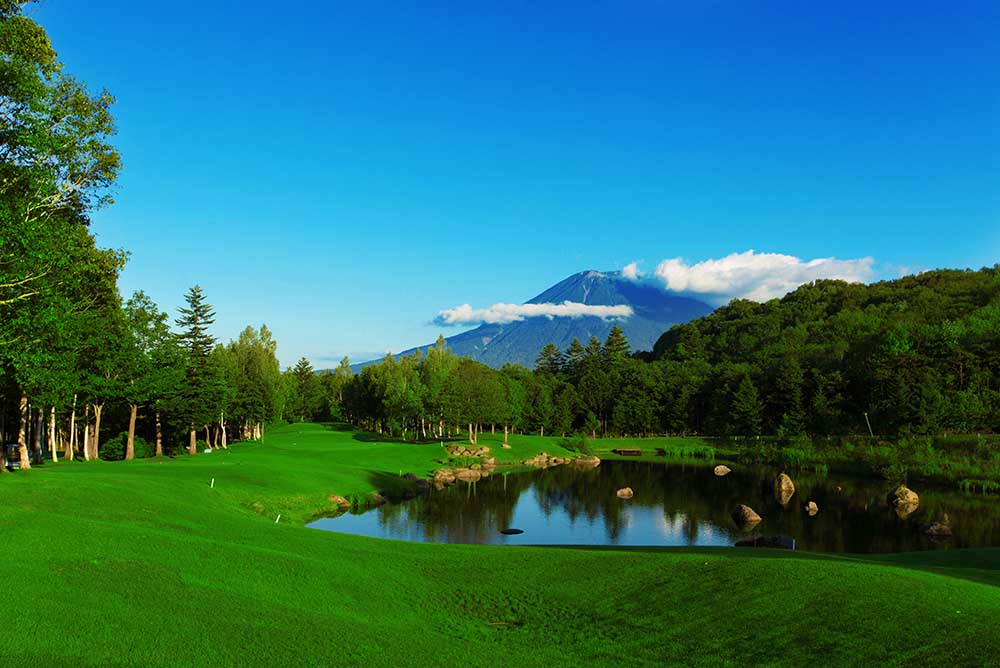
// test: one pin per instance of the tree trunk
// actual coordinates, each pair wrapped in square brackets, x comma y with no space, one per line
[22,443]
[208,438]
[541,432]
[53,447]
[96,445]
[159,436]
[472,435]
[36,441]
[86,432]
[72,432]
[505,434]
[130,442]
[222,428]
[192,441]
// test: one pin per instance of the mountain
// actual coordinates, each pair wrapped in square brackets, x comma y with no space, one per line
[654,311]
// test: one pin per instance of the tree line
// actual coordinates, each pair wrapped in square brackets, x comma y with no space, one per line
[917,355]
[75,356]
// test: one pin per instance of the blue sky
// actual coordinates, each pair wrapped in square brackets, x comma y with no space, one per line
[345,171]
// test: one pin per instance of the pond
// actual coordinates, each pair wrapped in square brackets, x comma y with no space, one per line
[674,504]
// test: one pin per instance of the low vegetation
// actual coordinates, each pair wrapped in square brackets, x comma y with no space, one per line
[173,571]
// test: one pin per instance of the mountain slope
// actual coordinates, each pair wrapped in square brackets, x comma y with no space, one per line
[654,311]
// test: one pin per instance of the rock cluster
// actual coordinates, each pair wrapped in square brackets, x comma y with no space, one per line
[586,462]
[544,461]
[444,477]
[468,451]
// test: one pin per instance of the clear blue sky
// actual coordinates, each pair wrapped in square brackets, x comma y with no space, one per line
[344,171]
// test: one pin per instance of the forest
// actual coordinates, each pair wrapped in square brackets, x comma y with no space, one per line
[82,369]
[915,356]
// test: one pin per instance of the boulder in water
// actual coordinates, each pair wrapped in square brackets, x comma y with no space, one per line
[745,517]
[625,493]
[779,542]
[904,500]
[938,530]
[812,508]
[722,470]
[784,488]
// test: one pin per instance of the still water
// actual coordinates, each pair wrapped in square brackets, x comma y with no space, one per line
[674,504]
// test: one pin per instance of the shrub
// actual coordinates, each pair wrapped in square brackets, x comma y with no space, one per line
[114,449]
[577,443]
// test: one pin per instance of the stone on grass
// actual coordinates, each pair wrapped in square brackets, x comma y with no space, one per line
[339,501]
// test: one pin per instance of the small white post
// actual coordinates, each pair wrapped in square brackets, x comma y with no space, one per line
[213,483]
[278,519]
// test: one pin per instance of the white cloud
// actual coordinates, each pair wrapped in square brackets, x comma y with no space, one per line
[500,314]
[756,276]
[631,271]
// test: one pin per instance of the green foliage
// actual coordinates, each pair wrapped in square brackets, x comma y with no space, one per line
[578,443]
[113,449]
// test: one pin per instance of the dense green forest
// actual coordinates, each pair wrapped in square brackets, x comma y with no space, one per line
[78,364]
[915,356]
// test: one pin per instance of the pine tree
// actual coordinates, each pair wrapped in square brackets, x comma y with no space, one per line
[593,349]
[745,408]
[616,347]
[550,360]
[195,321]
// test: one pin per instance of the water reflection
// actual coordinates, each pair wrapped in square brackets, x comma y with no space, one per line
[674,504]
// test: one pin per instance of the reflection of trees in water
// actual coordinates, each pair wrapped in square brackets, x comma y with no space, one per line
[853,513]
[462,513]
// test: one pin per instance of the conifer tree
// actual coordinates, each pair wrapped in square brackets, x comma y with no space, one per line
[196,395]
[550,360]
[746,408]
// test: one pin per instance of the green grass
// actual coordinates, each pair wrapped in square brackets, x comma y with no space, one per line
[143,564]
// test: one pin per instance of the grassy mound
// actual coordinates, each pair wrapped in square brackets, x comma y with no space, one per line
[144,564]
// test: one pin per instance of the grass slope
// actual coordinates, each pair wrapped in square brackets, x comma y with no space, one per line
[143,564]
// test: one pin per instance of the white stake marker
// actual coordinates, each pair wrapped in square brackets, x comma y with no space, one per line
[213,483]
[278,518]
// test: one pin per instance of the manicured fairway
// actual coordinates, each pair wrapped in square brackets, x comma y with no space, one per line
[143,564]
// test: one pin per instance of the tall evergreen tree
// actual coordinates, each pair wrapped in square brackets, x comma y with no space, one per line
[550,360]
[195,320]
[616,346]
[746,408]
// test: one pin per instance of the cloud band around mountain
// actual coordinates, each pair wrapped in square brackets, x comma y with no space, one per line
[755,276]
[501,314]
